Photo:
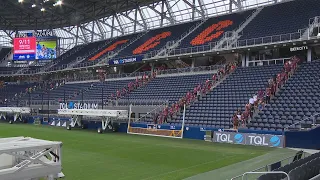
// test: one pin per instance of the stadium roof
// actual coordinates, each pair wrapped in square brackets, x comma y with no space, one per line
[27,14]
[84,21]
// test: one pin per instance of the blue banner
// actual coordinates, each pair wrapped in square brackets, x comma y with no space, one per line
[24,57]
[126,60]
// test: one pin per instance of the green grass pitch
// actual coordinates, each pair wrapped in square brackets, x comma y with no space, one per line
[49,44]
[88,155]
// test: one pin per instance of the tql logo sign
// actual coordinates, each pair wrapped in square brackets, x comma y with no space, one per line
[264,140]
[249,139]
[229,137]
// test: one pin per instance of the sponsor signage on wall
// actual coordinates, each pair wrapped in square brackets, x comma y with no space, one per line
[249,139]
[126,60]
[300,48]
[73,105]
[41,33]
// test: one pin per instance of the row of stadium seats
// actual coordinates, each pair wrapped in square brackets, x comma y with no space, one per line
[302,169]
[3,52]
[216,108]
[168,88]
[297,100]
[282,19]
[8,92]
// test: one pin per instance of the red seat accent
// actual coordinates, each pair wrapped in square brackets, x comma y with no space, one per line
[151,43]
[110,48]
[207,35]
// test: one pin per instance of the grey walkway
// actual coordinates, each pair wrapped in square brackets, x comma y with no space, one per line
[239,168]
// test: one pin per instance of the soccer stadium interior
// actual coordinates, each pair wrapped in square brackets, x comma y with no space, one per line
[180,89]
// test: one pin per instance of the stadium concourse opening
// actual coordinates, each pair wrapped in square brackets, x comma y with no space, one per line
[240,77]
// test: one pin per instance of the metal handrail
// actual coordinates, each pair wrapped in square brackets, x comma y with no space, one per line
[145,116]
[270,172]
[289,37]
[299,122]
[255,62]
[265,168]
[162,72]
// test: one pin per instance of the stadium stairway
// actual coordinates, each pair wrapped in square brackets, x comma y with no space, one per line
[81,56]
[236,35]
[298,99]
[215,109]
[166,50]
[216,25]
[155,40]
[103,55]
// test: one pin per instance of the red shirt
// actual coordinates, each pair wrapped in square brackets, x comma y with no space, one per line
[278,78]
[245,114]
[214,77]
[247,107]
[268,91]
[287,67]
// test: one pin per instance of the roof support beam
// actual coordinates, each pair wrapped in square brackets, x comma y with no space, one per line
[75,35]
[172,21]
[100,29]
[112,26]
[203,8]
[134,20]
[169,10]
[237,3]
[99,20]
[91,31]
[195,9]
[119,23]
[142,17]
[84,34]
[162,13]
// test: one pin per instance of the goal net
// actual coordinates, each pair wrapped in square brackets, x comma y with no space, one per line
[143,126]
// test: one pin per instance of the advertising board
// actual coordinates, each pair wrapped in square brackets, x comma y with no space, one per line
[249,139]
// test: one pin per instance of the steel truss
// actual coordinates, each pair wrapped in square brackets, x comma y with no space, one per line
[107,117]
[29,158]
[16,111]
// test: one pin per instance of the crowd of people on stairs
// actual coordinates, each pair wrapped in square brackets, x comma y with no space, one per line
[263,97]
[191,96]
[131,86]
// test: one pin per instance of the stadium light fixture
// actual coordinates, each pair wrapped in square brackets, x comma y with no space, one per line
[20,1]
[42,9]
[58,3]
[33,5]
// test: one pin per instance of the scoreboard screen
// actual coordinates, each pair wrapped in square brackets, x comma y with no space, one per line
[24,48]
[31,48]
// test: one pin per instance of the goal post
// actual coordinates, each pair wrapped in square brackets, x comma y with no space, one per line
[160,130]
